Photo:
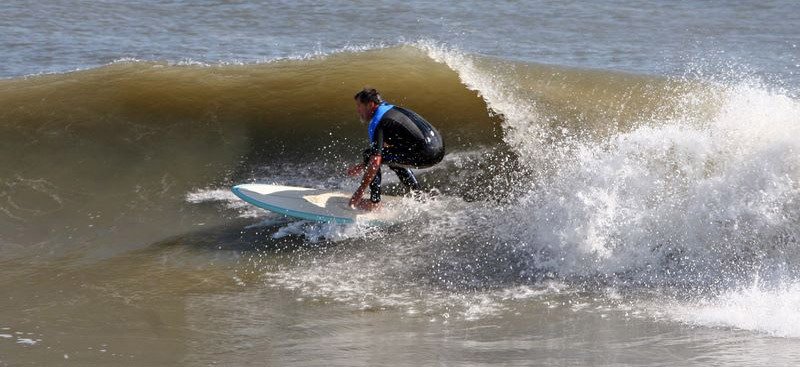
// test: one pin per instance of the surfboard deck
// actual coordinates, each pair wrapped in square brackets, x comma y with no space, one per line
[311,204]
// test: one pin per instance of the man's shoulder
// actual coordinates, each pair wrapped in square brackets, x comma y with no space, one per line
[399,114]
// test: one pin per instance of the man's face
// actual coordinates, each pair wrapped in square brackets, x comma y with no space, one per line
[364,111]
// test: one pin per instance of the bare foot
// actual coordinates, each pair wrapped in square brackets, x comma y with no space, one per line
[366,204]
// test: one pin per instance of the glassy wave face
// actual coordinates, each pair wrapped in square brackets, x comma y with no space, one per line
[681,192]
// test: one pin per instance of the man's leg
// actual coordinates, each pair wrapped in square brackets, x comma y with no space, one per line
[398,161]
[406,177]
[375,185]
[375,188]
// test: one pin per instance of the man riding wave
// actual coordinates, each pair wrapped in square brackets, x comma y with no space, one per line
[399,138]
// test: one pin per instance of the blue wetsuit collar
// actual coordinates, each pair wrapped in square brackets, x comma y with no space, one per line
[376,118]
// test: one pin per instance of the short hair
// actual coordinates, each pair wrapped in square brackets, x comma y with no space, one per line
[367,95]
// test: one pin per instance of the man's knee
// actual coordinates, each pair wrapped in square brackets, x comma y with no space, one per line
[406,176]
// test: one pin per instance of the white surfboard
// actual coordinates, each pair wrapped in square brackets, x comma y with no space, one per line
[312,204]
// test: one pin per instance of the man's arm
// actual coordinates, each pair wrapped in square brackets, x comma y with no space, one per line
[372,166]
[372,170]
[356,170]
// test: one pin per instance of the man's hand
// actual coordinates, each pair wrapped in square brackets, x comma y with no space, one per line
[355,170]
[355,200]
[369,175]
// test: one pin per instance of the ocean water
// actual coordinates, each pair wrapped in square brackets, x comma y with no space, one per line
[621,185]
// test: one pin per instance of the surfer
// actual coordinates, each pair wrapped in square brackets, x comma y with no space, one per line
[399,138]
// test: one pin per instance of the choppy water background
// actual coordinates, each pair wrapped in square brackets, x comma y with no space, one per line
[645,37]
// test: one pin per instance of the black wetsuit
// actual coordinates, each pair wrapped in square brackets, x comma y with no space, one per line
[404,140]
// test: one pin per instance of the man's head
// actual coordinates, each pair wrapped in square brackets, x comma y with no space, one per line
[366,102]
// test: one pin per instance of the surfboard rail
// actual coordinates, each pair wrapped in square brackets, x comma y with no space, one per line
[317,205]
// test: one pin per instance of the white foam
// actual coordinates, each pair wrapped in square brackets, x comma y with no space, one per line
[189,61]
[676,201]
[316,231]
[673,194]
[228,198]
[522,127]
[316,54]
[367,277]
[680,192]
[26,341]
[771,310]
[206,195]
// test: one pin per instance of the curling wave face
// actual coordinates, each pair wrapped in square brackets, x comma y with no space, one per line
[108,147]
